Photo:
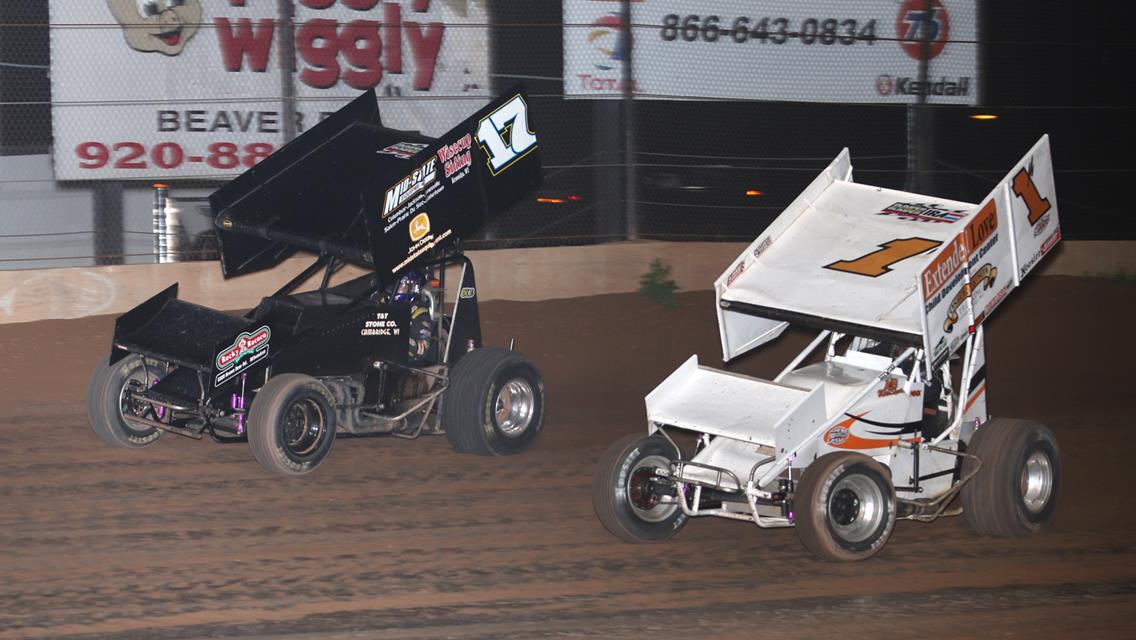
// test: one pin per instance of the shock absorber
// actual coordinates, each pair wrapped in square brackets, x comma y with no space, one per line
[237,404]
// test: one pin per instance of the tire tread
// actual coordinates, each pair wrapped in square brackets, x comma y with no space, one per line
[470,381]
[988,501]
[265,413]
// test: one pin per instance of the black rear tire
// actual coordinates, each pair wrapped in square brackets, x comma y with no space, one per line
[1015,492]
[291,425]
[621,492]
[106,402]
[495,403]
[845,506]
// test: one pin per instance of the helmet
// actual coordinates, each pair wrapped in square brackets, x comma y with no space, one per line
[408,287]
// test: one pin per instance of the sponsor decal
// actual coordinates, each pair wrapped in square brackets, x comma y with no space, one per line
[419,227]
[841,436]
[246,350]
[1045,247]
[944,267]
[457,156]
[402,191]
[906,86]
[836,435]
[605,37]
[382,325]
[1048,244]
[998,297]
[984,278]
[983,226]
[404,150]
[891,387]
[738,270]
[919,212]
[467,292]
[940,349]
[421,247]
[762,246]
[920,22]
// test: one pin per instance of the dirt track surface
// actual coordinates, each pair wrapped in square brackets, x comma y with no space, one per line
[406,539]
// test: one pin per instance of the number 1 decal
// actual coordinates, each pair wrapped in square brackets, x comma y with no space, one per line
[505,134]
[1025,189]
[879,262]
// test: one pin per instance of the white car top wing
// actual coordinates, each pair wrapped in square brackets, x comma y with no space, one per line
[856,258]
[850,257]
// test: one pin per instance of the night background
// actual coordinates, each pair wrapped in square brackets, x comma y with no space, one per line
[1061,68]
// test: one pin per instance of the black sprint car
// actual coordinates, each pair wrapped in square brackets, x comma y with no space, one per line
[397,351]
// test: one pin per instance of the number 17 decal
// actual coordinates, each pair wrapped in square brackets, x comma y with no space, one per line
[505,134]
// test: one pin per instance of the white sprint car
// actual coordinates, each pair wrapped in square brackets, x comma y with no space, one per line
[883,415]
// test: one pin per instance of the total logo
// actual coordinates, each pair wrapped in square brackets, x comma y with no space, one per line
[606,37]
[916,23]
[419,227]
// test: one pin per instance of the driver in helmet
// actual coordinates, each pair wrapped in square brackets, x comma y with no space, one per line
[408,290]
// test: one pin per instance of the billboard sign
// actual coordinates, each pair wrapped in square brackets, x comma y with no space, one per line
[160,89]
[789,50]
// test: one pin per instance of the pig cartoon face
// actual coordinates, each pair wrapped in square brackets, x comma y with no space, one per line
[164,26]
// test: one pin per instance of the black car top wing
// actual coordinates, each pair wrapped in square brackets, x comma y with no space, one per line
[377,197]
[481,166]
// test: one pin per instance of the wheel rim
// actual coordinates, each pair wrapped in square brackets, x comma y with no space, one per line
[1037,481]
[642,499]
[513,408]
[137,381]
[856,508]
[305,427]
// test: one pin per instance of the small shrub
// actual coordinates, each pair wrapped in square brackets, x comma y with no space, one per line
[657,284]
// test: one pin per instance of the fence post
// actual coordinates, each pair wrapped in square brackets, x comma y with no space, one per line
[287,52]
[161,248]
[920,132]
[109,244]
[630,190]
[167,226]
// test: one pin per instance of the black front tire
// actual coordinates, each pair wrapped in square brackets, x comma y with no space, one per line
[106,401]
[1015,492]
[622,495]
[495,403]
[845,506]
[291,425]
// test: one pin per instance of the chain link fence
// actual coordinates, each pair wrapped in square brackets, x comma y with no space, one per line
[705,128]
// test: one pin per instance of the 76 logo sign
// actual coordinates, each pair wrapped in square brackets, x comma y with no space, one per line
[505,136]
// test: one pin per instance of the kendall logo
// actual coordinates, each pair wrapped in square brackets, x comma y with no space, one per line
[903,86]
[418,180]
[245,344]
